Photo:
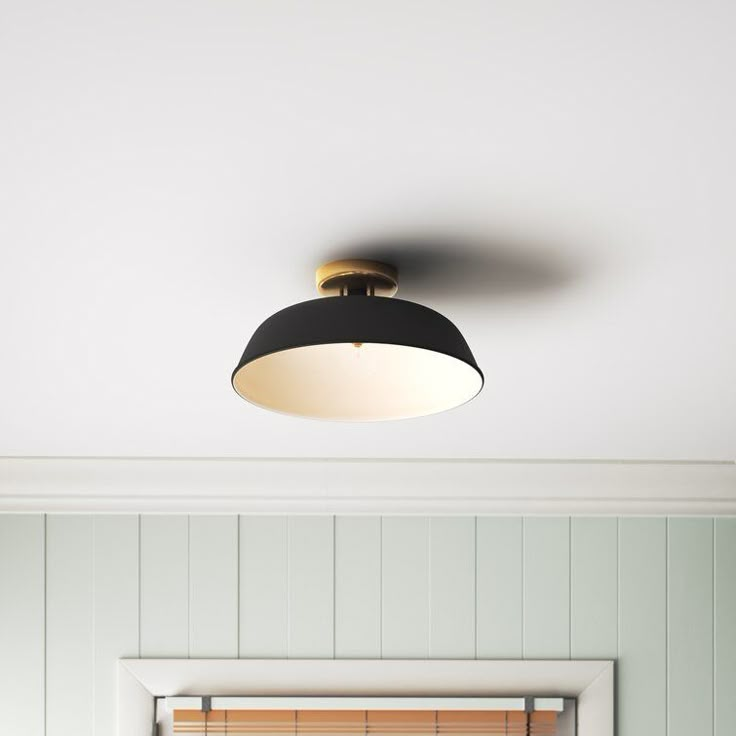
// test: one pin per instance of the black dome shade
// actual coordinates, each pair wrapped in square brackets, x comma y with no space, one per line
[358,358]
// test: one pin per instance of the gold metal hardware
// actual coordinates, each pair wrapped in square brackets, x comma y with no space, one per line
[338,278]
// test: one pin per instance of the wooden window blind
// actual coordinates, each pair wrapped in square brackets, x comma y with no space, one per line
[365,722]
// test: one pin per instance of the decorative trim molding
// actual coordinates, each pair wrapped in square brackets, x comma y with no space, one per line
[298,486]
[142,680]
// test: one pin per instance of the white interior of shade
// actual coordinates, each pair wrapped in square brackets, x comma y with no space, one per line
[369,382]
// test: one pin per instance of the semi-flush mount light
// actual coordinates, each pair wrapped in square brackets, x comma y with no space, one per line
[357,355]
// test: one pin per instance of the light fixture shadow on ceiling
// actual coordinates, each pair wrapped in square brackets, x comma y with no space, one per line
[473,270]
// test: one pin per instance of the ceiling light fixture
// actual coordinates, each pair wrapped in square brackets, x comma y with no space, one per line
[357,355]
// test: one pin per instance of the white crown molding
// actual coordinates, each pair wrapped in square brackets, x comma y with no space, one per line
[113,485]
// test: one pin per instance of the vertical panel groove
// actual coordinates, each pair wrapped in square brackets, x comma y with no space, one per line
[115,609]
[139,586]
[288,583]
[406,586]
[310,586]
[23,639]
[690,658]
[475,587]
[618,593]
[213,581]
[357,587]
[725,626]
[713,623]
[334,585]
[523,586]
[617,668]
[189,588]
[94,615]
[428,542]
[547,588]
[71,610]
[263,570]
[498,587]
[383,602]
[667,626]
[569,588]
[451,589]
[45,621]
[593,588]
[164,581]
[427,591]
[237,583]
[380,587]
[643,639]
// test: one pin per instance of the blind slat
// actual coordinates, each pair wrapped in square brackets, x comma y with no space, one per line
[365,723]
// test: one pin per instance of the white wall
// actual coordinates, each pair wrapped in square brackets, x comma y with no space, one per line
[77,592]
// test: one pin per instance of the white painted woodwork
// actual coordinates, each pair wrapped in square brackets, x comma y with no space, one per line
[376,486]
[136,707]
[596,709]
[348,683]
[405,677]
[342,702]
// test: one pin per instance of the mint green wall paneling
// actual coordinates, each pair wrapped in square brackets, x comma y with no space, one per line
[22,624]
[164,586]
[642,667]
[546,588]
[499,587]
[358,586]
[594,588]
[115,610]
[264,586]
[213,586]
[311,586]
[79,575]
[70,677]
[690,605]
[405,579]
[452,587]
[725,627]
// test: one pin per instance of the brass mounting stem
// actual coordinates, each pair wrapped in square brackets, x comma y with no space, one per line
[355,276]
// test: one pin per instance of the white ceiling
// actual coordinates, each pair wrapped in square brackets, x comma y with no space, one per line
[173,172]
